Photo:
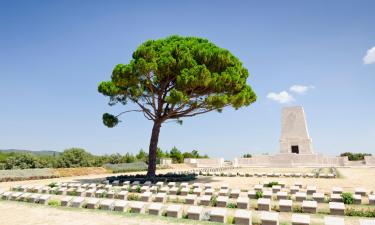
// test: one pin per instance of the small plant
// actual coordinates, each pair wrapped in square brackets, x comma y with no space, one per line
[369,212]
[129,189]
[53,202]
[231,205]
[347,198]
[259,194]
[271,184]
[297,209]
[73,193]
[178,191]
[230,220]
[133,197]
[138,189]
[52,185]
[213,200]
[191,191]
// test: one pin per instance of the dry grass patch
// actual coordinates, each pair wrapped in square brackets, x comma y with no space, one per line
[69,172]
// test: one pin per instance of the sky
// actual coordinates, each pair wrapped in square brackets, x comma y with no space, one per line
[316,54]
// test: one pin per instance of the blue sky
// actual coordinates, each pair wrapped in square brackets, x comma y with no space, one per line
[54,53]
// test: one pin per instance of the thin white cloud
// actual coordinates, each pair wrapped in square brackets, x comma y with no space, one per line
[300,89]
[370,56]
[282,97]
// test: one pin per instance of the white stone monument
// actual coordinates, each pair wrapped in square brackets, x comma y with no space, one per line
[294,134]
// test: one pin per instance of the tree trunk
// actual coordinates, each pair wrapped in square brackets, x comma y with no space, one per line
[152,149]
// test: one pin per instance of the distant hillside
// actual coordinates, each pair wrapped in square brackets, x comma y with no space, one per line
[42,152]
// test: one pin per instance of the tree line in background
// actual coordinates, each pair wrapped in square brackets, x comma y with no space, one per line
[76,157]
[355,156]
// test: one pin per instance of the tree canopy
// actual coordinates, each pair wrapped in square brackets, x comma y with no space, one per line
[176,77]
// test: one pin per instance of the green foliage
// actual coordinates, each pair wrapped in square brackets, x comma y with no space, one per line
[259,194]
[297,209]
[355,156]
[22,161]
[368,212]
[127,167]
[231,205]
[177,77]
[176,155]
[247,155]
[272,183]
[230,220]
[213,201]
[75,157]
[52,185]
[26,174]
[347,198]
[53,202]
[138,189]
[133,197]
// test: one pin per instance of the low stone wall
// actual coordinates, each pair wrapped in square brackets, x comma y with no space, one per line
[291,160]
[205,163]
[370,160]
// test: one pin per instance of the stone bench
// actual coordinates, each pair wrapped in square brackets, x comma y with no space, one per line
[25,196]
[282,195]
[299,219]
[337,190]
[155,209]
[251,194]
[207,186]
[285,205]
[357,199]
[258,187]
[146,197]
[66,200]
[209,191]
[360,191]
[205,200]
[121,206]
[184,191]
[137,207]
[269,218]
[242,203]
[318,197]
[222,201]
[15,195]
[218,215]
[223,192]
[77,202]
[89,193]
[337,208]
[267,194]
[34,198]
[224,187]
[173,190]
[371,199]
[309,206]
[123,195]
[335,198]
[195,212]
[242,217]
[329,220]
[294,189]
[164,190]
[171,184]
[264,204]
[197,191]
[62,191]
[145,189]
[191,199]
[235,193]
[298,184]
[276,188]
[92,203]
[160,197]
[107,204]
[44,199]
[174,211]
[310,190]
[300,196]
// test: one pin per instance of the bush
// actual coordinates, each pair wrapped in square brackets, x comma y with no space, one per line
[133,197]
[247,156]
[26,174]
[54,202]
[127,167]
[347,198]
[259,194]
[213,201]
[355,156]
[369,212]
[52,185]
[231,205]
[273,183]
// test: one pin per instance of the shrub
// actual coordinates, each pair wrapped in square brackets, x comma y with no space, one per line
[52,185]
[230,220]
[259,194]
[54,202]
[297,209]
[355,156]
[133,197]
[138,189]
[369,212]
[213,200]
[347,198]
[271,184]
[231,205]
